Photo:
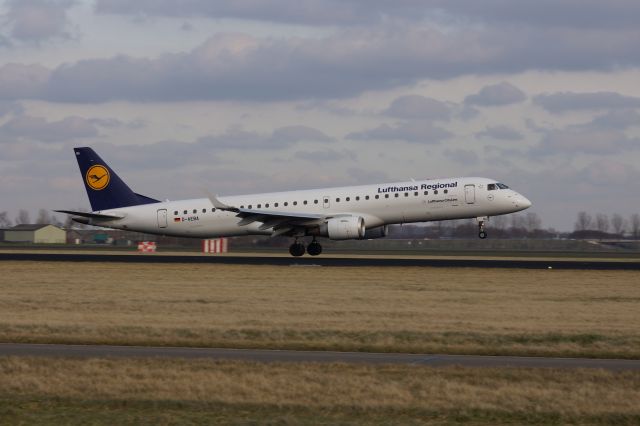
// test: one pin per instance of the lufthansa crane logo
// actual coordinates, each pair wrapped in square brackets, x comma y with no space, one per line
[97,177]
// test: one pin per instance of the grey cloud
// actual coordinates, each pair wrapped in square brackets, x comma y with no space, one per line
[500,132]
[463,156]
[546,13]
[234,66]
[38,20]
[325,155]
[607,172]
[542,13]
[418,107]
[467,112]
[413,132]
[13,108]
[571,101]
[166,154]
[496,95]
[293,134]
[19,81]
[576,140]
[113,123]
[366,175]
[307,12]
[38,128]
[616,119]
[236,138]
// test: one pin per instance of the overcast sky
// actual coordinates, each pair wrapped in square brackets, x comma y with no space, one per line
[265,95]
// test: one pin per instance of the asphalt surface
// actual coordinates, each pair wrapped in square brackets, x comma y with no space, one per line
[266,356]
[327,261]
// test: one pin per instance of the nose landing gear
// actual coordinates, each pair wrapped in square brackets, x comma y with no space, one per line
[481,232]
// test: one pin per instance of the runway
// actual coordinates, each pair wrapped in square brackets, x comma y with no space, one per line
[266,356]
[346,261]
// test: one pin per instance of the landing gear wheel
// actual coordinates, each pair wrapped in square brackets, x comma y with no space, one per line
[482,233]
[314,248]
[296,249]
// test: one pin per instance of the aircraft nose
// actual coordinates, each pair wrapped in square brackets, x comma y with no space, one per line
[524,202]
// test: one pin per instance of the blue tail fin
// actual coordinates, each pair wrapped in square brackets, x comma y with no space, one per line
[104,188]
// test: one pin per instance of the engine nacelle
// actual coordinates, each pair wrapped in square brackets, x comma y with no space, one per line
[378,232]
[345,228]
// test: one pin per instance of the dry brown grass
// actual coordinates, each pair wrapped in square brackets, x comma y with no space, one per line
[562,392]
[578,313]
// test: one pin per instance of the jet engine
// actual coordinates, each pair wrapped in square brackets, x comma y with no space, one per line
[378,232]
[345,228]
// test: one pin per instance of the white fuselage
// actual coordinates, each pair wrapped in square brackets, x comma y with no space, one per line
[401,202]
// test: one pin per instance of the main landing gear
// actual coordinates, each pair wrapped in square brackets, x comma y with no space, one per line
[314,248]
[481,232]
[297,249]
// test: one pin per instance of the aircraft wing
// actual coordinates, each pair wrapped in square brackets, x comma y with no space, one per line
[280,222]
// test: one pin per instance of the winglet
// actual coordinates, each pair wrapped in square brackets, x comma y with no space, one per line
[219,204]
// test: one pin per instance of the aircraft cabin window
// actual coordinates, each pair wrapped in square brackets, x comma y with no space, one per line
[304,202]
[347,199]
[396,195]
[406,194]
[242,207]
[446,191]
[275,205]
[259,206]
[415,194]
[377,196]
[286,203]
[249,206]
[386,195]
[491,187]
[366,197]
[266,206]
[426,192]
[435,191]
[175,213]
[337,200]
[295,203]
[185,212]
[204,210]
[195,211]
[316,201]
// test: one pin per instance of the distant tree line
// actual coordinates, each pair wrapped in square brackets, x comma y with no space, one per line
[527,225]
[602,225]
[23,217]
[519,225]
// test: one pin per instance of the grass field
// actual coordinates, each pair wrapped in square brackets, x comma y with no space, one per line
[160,391]
[460,310]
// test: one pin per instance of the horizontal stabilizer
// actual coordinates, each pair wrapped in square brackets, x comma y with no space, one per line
[90,215]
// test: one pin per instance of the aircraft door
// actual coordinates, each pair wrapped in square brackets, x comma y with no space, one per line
[470,193]
[162,218]
[325,202]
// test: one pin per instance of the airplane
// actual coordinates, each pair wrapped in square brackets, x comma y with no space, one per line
[344,213]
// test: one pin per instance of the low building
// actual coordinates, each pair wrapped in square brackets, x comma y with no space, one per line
[36,234]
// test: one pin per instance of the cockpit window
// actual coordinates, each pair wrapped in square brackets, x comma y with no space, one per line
[502,186]
[491,187]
